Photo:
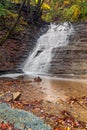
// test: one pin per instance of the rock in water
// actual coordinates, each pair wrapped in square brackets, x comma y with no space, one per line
[37,79]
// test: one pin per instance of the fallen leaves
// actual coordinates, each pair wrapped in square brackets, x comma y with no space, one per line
[62,128]
[82,101]
[3,126]
[66,121]
[7,126]
[59,119]
[72,100]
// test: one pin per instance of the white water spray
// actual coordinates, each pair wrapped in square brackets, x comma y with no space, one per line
[39,61]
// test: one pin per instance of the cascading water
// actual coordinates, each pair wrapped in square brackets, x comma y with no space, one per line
[39,61]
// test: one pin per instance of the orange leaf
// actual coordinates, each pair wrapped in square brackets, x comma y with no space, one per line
[29,129]
[3,126]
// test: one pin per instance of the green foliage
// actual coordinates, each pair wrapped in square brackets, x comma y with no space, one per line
[72,13]
[4,8]
[3,11]
[67,10]
[83,10]
[6,15]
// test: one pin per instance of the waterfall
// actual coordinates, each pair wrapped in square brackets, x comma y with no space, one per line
[56,36]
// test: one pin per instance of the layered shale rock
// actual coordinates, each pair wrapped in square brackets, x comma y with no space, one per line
[71,60]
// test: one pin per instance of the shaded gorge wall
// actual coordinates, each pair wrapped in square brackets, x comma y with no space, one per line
[67,60]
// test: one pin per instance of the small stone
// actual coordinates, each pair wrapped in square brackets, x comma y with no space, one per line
[16,95]
[7,97]
[37,79]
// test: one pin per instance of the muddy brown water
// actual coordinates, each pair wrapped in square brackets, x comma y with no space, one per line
[59,91]
[63,88]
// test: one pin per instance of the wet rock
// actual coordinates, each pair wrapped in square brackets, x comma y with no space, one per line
[37,79]
[71,60]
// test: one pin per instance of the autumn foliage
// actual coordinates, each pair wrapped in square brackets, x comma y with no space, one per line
[7,126]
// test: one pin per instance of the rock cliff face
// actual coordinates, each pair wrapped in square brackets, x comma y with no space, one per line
[67,61]
[16,49]
[71,61]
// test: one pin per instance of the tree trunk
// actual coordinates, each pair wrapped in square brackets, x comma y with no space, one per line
[28,7]
[29,12]
[39,4]
[38,8]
